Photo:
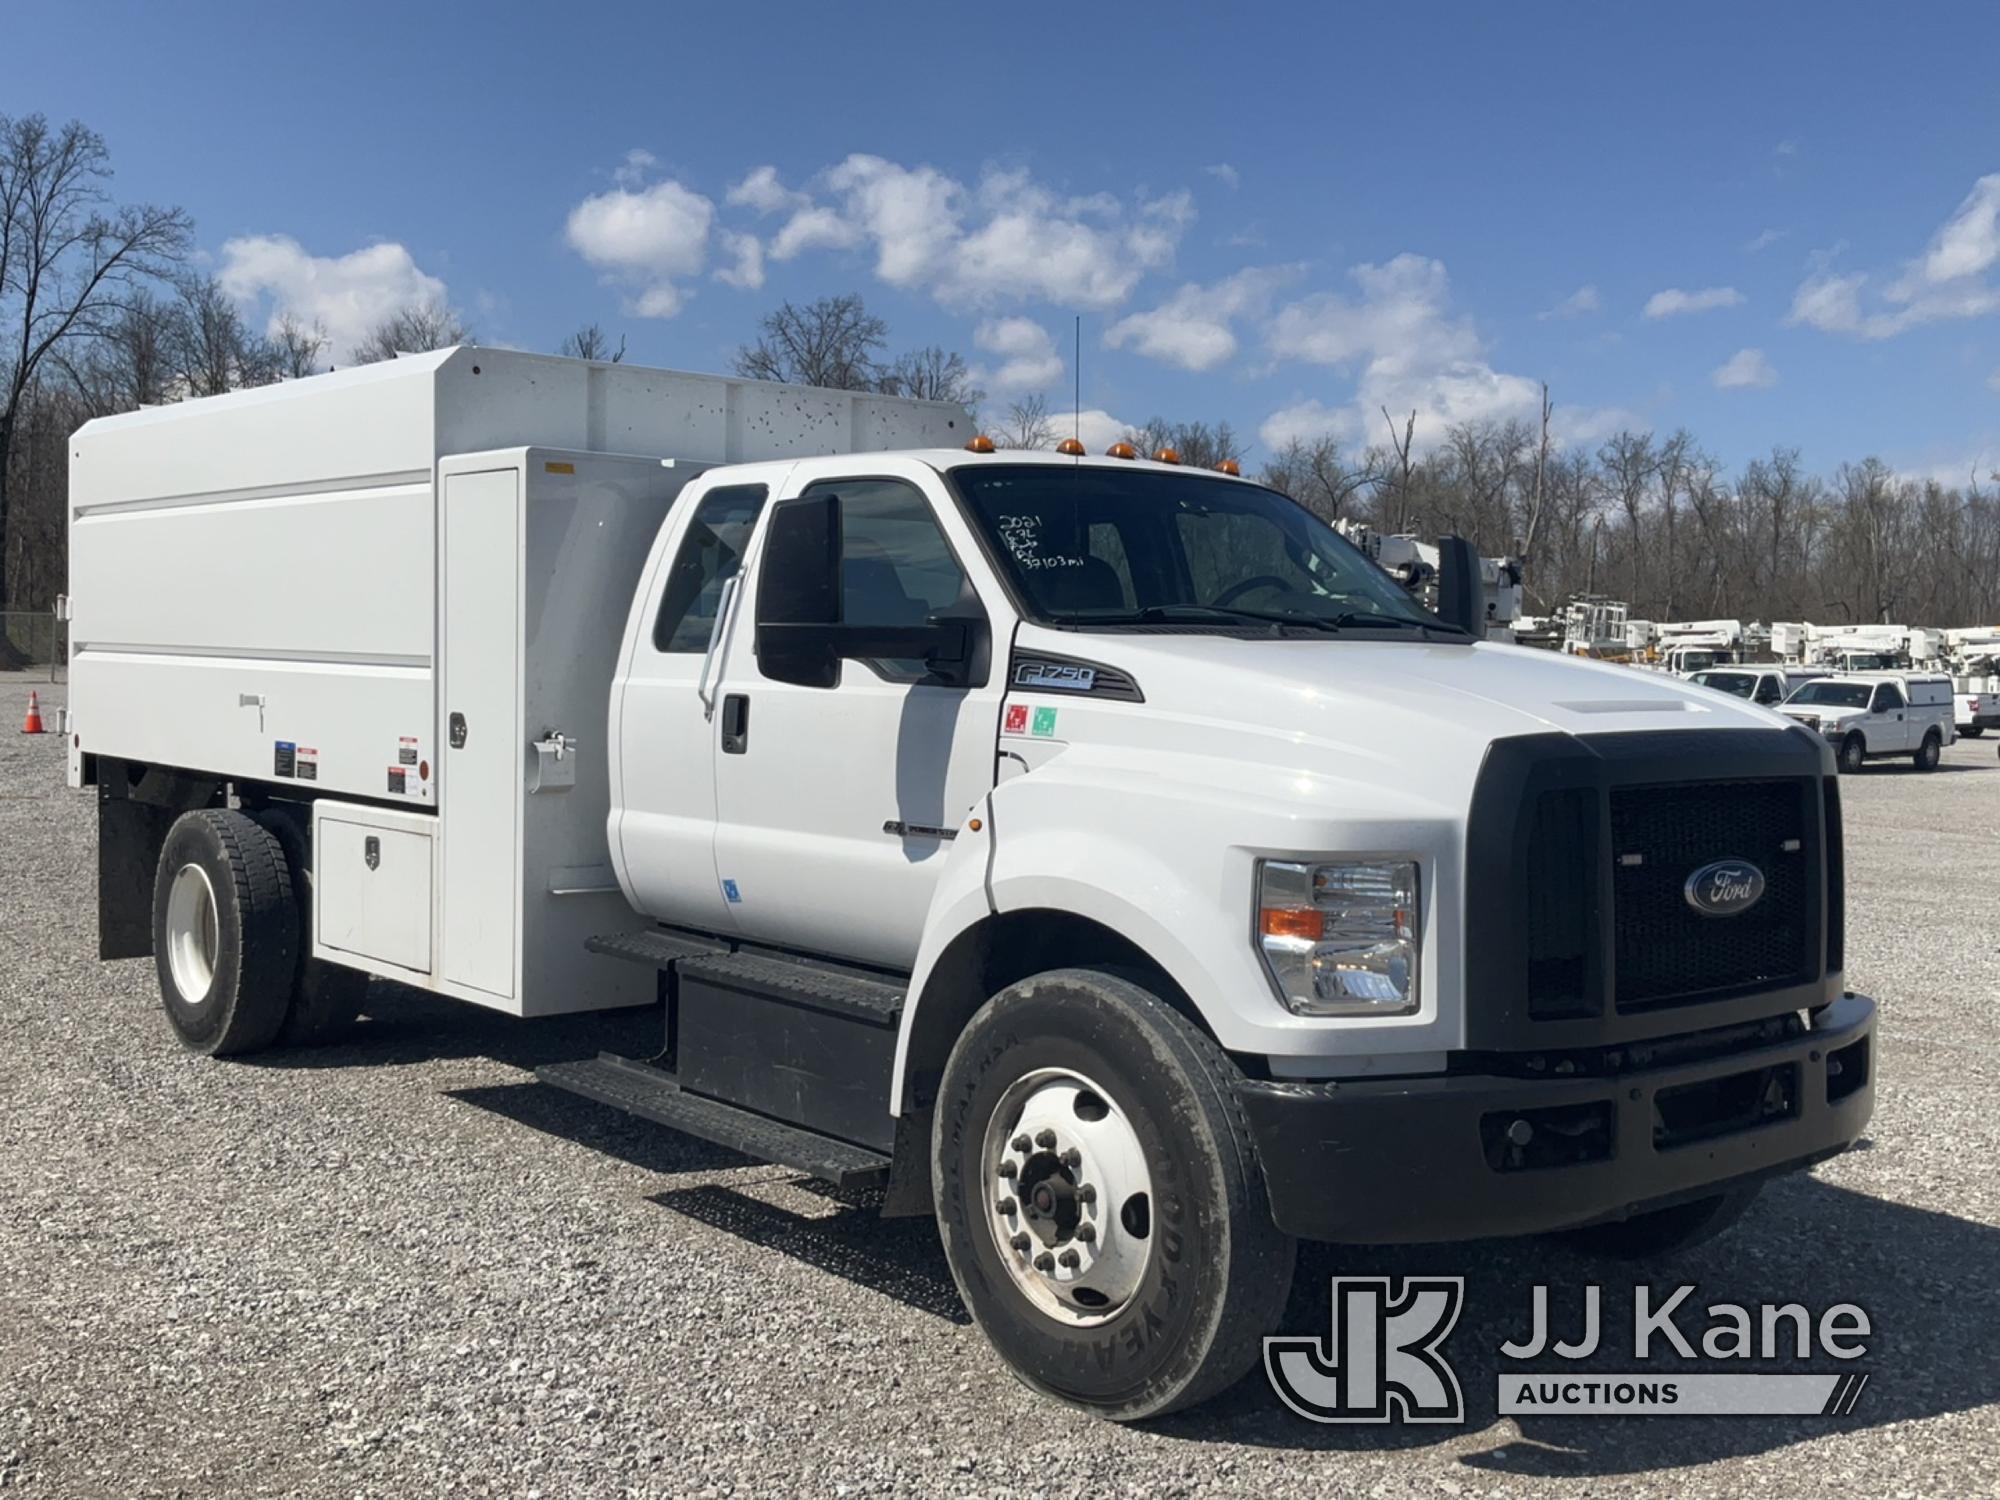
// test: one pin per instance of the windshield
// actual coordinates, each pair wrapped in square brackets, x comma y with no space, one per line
[1742,684]
[1108,547]
[1833,694]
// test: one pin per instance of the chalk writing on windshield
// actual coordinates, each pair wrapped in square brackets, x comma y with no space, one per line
[1023,535]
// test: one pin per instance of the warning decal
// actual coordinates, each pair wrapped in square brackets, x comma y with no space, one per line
[398,780]
[1017,718]
[406,750]
[306,760]
[283,758]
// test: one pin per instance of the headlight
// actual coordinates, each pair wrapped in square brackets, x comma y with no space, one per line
[1340,939]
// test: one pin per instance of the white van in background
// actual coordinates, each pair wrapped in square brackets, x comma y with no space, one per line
[1869,715]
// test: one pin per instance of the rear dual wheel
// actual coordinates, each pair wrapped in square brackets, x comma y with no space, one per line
[232,941]
[1100,1200]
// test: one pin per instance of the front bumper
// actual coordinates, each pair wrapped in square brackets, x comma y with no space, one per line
[1421,1159]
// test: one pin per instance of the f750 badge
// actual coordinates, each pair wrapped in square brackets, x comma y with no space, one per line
[1061,677]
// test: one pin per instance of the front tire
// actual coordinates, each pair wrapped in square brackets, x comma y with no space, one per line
[1853,753]
[1664,1231]
[1926,758]
[1100,1200]
[225,932]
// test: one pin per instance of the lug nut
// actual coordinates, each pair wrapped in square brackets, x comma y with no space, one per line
[1085,1193]
[1045,1262]
[1005,1205]
[1070,1260]
[1046,1140]
[1021,1243]
[1072,1158]
[1086,1232]
[1021,1142]
[1008,1169]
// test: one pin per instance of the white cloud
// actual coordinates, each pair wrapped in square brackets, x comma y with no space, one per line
[746,255]
[1948,281]
[1005,237]
[350,293]
[1969,242]
[1193,328]
[1583,300]
[1028,355]
[637,166]
[1224,173]
[1673,302]
[1746,370]
[1765,240]
[813,228]
[761,190]
[1410,353]
[1095,427]
[648,238]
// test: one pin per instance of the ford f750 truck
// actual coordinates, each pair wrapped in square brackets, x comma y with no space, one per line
[1096,853]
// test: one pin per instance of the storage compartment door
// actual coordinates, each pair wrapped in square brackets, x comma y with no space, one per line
[372,892]
[483,750]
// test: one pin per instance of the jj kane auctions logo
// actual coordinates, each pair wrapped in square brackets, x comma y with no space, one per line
[1384,1359]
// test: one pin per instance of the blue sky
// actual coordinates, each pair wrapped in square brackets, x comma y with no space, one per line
[1769,223]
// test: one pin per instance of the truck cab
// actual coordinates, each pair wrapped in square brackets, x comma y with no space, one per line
[1097,854]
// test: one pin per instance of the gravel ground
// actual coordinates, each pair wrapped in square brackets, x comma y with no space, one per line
[399,1267]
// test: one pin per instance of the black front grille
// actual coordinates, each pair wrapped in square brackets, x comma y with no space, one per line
[1668,953]
[1562,902]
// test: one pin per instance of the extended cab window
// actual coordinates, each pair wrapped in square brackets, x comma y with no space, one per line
[1093,546]
[1887,699]
[895,566]
[1769,690]
[709,556]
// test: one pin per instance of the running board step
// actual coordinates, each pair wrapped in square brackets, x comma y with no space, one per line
[656,947]
[651,1094]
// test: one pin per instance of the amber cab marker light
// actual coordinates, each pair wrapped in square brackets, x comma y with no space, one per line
[1230,467]
[1303,922]
[980,444]
[1121,450]
[1070,448]
[1166,456]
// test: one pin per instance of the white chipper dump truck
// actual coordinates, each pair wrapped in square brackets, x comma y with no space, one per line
[1100,855]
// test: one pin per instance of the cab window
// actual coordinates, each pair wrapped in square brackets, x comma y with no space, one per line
[1887,699]
[1768,690]
[709,557]
[896,568]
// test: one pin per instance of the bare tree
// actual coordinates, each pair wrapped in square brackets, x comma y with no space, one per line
[833,342]
[931,374]
[1400,508]
[296,347]
[592,342]
[416,329]
[69,258]
[1028,424]
[1196,444]
[213,352]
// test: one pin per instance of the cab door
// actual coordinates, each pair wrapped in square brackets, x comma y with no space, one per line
[664,708]
[1888,720]
[837,806]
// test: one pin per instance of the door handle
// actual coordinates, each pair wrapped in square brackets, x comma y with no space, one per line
[735,723]
[457,731]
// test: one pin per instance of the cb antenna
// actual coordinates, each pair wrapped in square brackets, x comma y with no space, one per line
[1076,369]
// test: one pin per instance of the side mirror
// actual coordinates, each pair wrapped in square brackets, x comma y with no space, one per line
[799,588]
[1459,587]
[802,636]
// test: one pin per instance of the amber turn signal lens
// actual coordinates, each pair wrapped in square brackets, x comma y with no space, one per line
[1166,456]
[980,444]
[1070,447]
[1301,922]
[1122,450]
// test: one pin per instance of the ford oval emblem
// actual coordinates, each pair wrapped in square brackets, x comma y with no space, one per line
[1727,888]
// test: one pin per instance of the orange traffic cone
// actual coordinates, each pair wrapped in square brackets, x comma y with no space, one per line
[34,723]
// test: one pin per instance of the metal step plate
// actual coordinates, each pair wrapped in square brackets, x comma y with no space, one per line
[645,1091]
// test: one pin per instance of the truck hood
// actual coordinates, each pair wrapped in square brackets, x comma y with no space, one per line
[1394,716]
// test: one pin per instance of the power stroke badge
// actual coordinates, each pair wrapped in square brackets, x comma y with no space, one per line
[1385,1358]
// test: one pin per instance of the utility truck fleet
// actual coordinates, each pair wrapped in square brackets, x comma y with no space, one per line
[1098,854]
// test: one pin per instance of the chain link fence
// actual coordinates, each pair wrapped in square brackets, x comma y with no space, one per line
[34,642]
